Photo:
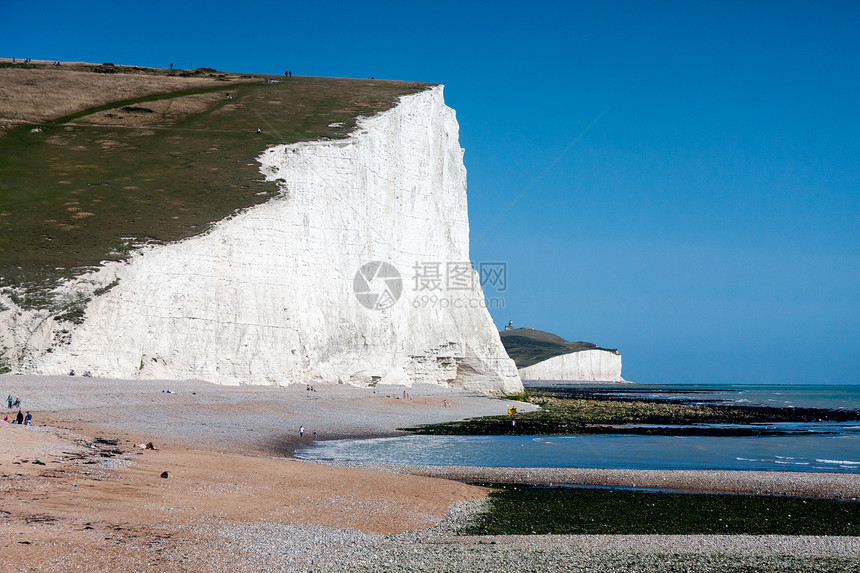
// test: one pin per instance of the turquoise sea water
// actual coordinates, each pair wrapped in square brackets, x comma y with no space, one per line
[823,446]
[837,397]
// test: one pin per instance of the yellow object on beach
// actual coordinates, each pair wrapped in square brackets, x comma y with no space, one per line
[512,410]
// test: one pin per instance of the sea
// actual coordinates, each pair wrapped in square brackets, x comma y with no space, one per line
[833,397]
[806,447]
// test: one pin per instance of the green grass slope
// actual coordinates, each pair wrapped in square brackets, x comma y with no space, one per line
[90,186]
[527,346]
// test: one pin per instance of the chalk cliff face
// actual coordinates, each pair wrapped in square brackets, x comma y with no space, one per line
[584,366]
[269,295]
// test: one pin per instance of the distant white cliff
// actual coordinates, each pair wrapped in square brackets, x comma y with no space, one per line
[583,366]
[294,290]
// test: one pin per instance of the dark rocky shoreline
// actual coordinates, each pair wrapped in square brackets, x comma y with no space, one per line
[573,411]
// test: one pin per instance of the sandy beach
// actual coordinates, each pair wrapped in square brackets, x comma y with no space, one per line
[78,496]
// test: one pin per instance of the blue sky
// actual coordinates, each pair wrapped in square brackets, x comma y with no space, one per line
[685,178]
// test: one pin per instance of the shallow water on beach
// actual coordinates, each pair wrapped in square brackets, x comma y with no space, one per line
[821,446]
[831,453]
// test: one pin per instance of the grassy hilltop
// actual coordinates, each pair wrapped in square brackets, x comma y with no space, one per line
[98,159]
[527,346]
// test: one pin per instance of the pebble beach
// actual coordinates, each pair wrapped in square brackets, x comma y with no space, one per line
[77,494]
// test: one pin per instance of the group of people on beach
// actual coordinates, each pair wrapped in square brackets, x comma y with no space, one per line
[302,433]
[87,374]
[20,418]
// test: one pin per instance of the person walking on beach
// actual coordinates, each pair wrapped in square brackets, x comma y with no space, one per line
[17,402]
[301,431]
[19,419]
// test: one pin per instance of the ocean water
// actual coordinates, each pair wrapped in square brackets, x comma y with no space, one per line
[835,397]
[823,446]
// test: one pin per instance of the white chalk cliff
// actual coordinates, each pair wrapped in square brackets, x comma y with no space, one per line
[268,296]
[582,366]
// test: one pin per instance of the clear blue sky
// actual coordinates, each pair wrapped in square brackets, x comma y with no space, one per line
[708,222]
